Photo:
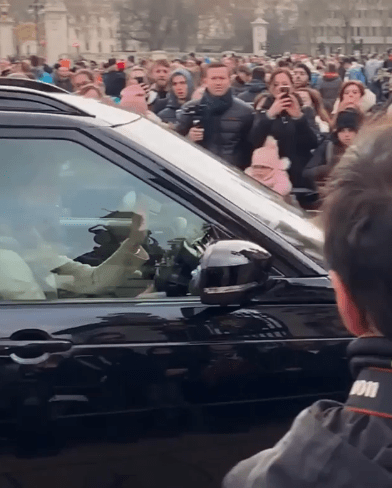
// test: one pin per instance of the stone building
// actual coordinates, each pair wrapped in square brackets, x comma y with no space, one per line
[70,29]
[365,25]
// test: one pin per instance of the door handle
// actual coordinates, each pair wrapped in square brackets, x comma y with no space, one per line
[31,351]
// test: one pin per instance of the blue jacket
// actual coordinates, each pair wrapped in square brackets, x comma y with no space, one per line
[357,73]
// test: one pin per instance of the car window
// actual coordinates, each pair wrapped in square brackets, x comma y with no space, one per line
[25,105]
[75,225]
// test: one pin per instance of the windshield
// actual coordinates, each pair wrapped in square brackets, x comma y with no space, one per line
[236,187]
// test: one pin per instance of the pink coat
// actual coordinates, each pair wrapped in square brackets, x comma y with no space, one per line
[267,168]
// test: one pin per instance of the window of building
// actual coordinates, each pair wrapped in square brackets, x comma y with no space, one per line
[87,46]
[99,47]
[358,31]
[389,31]
[374,31]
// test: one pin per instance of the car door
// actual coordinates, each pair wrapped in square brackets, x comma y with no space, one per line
[99,332]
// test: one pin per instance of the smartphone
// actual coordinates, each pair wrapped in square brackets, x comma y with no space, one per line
[139,79]
[285,90]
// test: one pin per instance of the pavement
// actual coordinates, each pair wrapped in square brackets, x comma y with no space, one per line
[187,461]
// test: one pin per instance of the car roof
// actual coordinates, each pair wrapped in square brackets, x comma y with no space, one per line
[72,104]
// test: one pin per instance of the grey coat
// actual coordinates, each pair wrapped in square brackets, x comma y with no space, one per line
[329,88]
[327,447]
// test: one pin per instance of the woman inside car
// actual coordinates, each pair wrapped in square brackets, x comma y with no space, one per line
[33,259]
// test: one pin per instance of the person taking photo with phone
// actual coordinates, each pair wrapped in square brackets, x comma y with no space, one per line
[280,115]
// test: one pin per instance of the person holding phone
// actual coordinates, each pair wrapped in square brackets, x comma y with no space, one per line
[281,116]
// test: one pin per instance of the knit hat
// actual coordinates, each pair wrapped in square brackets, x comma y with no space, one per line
[348,119]
[268,157]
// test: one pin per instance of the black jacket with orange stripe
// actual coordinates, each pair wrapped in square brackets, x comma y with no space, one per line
[330,445]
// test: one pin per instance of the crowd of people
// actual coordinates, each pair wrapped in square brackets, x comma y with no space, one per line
[284,121]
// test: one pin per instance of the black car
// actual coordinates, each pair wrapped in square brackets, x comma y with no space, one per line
[150,294]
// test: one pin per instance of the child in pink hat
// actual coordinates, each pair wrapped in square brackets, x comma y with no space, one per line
[270,170]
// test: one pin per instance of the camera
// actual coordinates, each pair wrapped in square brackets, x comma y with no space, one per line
[197,114]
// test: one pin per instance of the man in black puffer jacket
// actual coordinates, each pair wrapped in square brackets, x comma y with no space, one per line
[219,122]
[255,86]
[330,444]
[181,89]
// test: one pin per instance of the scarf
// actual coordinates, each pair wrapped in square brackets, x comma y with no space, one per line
[213,107]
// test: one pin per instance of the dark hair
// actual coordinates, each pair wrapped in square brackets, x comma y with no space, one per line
[357,83]
[258,73]
[358,224]
[280,71]
[305,68]
[282,63]
[331,68]
[34,60]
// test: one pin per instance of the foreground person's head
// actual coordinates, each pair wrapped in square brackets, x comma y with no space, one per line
[358,233]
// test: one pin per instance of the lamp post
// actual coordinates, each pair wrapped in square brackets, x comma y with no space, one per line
[35,9]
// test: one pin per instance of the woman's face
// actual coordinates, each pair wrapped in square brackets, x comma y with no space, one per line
[261,172]
[281,80]
[346,136]
[352,94]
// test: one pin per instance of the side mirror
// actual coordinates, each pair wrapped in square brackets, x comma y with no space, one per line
[230,270]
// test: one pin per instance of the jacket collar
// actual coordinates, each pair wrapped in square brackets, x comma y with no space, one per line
[368,352]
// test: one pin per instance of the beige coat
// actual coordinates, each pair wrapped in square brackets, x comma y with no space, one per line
[19,282]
